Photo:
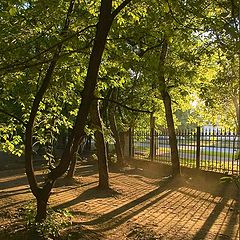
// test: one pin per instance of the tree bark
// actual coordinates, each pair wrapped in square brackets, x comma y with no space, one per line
[72,168]
[172,134]
[42,197]
[100,146]
[41,210]
[168,112]
[113,126]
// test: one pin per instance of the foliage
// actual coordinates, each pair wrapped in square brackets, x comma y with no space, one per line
[232,179]
[51,227]
[193,69]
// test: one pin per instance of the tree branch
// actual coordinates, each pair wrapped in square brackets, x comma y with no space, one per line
[142,52]
[27,43]
[13,116]
[120,7]
[124,106]
[34,64]
[19,64]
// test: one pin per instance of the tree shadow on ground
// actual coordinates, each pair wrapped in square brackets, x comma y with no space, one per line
[92,193]
[166,206]
[163,190]
[181,191]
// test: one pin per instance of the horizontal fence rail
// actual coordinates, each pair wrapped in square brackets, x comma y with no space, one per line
[208,149]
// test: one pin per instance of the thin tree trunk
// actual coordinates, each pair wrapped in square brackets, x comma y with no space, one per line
[168,112]
[106,18]
[113,126]
[100,146]
[103,27]
[72,168]
[172,134]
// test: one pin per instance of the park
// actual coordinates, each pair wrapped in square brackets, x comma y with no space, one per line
[119,119]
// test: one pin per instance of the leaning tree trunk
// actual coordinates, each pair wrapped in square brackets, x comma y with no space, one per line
[100,145]
[36,190]
[168,112]
[113,126]
[106,18]
[73,163]
[172,134]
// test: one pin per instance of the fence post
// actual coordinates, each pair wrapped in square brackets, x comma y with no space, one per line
[152,133]
[198,148]
[130,143]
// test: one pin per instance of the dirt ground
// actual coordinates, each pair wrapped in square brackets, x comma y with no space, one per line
[139,206]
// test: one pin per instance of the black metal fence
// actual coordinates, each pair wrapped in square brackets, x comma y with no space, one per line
[208,149]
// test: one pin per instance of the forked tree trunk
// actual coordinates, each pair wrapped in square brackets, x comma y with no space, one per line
[168,112]
[113,126]
[100,146]
[44,192]
[106,18]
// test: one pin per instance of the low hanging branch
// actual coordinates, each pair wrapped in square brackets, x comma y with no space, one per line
[124,106]
[24,64]
[13,116]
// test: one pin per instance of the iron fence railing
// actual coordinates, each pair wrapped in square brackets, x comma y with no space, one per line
[215,150]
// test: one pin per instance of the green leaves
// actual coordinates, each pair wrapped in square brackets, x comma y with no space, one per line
[29,35]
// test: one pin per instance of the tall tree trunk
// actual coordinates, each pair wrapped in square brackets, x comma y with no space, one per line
[168,112]
[113,126]
[100,145]
[172,134]
[73,163]
[103,27]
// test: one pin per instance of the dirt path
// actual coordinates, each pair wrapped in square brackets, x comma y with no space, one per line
[137,207]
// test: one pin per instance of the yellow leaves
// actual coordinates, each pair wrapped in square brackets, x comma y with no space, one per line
[13,11]
[135,17]
[120,21]
[78,70]
[170,39]
[165,7]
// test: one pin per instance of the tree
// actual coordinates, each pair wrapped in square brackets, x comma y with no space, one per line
[42,193]
[100,145]
[168,110]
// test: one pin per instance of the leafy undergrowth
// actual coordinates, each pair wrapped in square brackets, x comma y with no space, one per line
[50,229]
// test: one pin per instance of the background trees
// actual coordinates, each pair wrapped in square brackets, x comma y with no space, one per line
[125,60]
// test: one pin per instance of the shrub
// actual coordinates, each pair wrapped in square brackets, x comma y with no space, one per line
[51,227]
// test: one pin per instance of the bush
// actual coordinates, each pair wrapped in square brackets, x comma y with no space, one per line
[51,227]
